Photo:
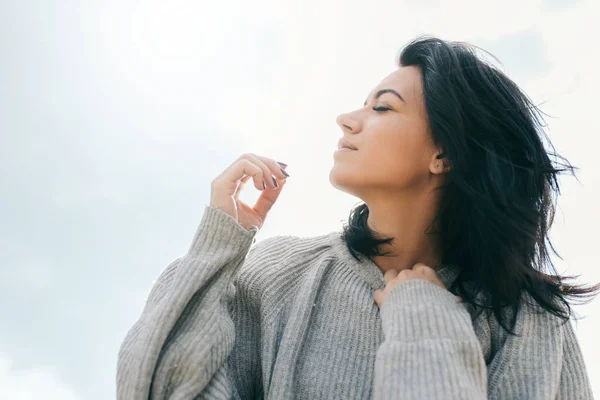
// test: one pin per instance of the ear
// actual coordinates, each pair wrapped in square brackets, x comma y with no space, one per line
[439,164]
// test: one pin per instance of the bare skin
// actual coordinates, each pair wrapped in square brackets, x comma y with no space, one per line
[267,175]
[394,170]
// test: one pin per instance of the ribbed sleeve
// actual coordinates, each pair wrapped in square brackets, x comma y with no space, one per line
[543,362]
[185,333]
[294,318]
[430,350]
[574,381]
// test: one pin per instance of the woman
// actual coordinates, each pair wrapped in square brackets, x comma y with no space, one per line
[434,290]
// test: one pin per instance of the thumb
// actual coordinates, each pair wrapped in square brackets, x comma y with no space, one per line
[268,197]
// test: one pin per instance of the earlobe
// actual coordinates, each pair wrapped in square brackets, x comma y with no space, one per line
[440,167]
[444,166]
[437,164]
[440,164]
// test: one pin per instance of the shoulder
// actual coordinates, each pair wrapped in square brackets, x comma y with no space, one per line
[544,344]
[533,326]
[276,264]
[535,330]
[528,316]
[276,252]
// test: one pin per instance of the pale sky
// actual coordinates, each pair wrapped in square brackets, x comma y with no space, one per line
[115,116]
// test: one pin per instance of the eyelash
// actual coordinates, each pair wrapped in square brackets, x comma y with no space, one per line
[381,109]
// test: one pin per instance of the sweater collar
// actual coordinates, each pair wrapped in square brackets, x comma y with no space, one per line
[369,272]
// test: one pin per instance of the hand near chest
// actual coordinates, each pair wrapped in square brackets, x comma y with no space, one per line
[394,278]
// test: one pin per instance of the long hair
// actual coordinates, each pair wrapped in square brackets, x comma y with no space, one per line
[497,203]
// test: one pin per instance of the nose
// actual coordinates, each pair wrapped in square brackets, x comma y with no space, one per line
[343,121]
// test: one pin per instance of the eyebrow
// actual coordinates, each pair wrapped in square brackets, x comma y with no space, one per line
[382,91]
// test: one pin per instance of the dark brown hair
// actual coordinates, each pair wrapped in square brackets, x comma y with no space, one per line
[498,201]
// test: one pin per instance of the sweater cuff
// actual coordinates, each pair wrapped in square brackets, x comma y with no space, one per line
[219,230]
[420,310]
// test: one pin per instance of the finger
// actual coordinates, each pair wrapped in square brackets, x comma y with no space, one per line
[390,275]
[377,296]
[269,167]
[247,164]
[228,181]
[267,199]
[418,265]
[253,170]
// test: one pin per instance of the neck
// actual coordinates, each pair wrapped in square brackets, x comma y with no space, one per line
[406,219]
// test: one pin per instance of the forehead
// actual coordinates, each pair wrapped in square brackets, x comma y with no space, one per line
[406,81]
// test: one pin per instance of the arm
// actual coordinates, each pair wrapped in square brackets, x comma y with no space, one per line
[430,350]
[543,362]
[574,379]
[180,345]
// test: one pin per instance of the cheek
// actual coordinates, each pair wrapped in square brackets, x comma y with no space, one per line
[397,154]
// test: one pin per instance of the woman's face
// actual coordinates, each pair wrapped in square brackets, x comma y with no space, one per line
[395,152]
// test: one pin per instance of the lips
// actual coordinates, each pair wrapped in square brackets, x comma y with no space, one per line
[343,143]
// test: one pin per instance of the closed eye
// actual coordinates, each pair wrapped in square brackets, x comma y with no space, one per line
[381,109]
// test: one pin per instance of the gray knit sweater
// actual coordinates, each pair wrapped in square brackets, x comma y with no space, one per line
[291,317]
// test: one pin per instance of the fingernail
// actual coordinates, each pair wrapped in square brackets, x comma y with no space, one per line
[275,182]
[264,186]
[283,172]
[282,164]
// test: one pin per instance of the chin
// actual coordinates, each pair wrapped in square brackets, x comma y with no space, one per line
[342,179]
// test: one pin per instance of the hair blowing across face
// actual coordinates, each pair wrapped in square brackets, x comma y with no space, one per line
[498,201]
